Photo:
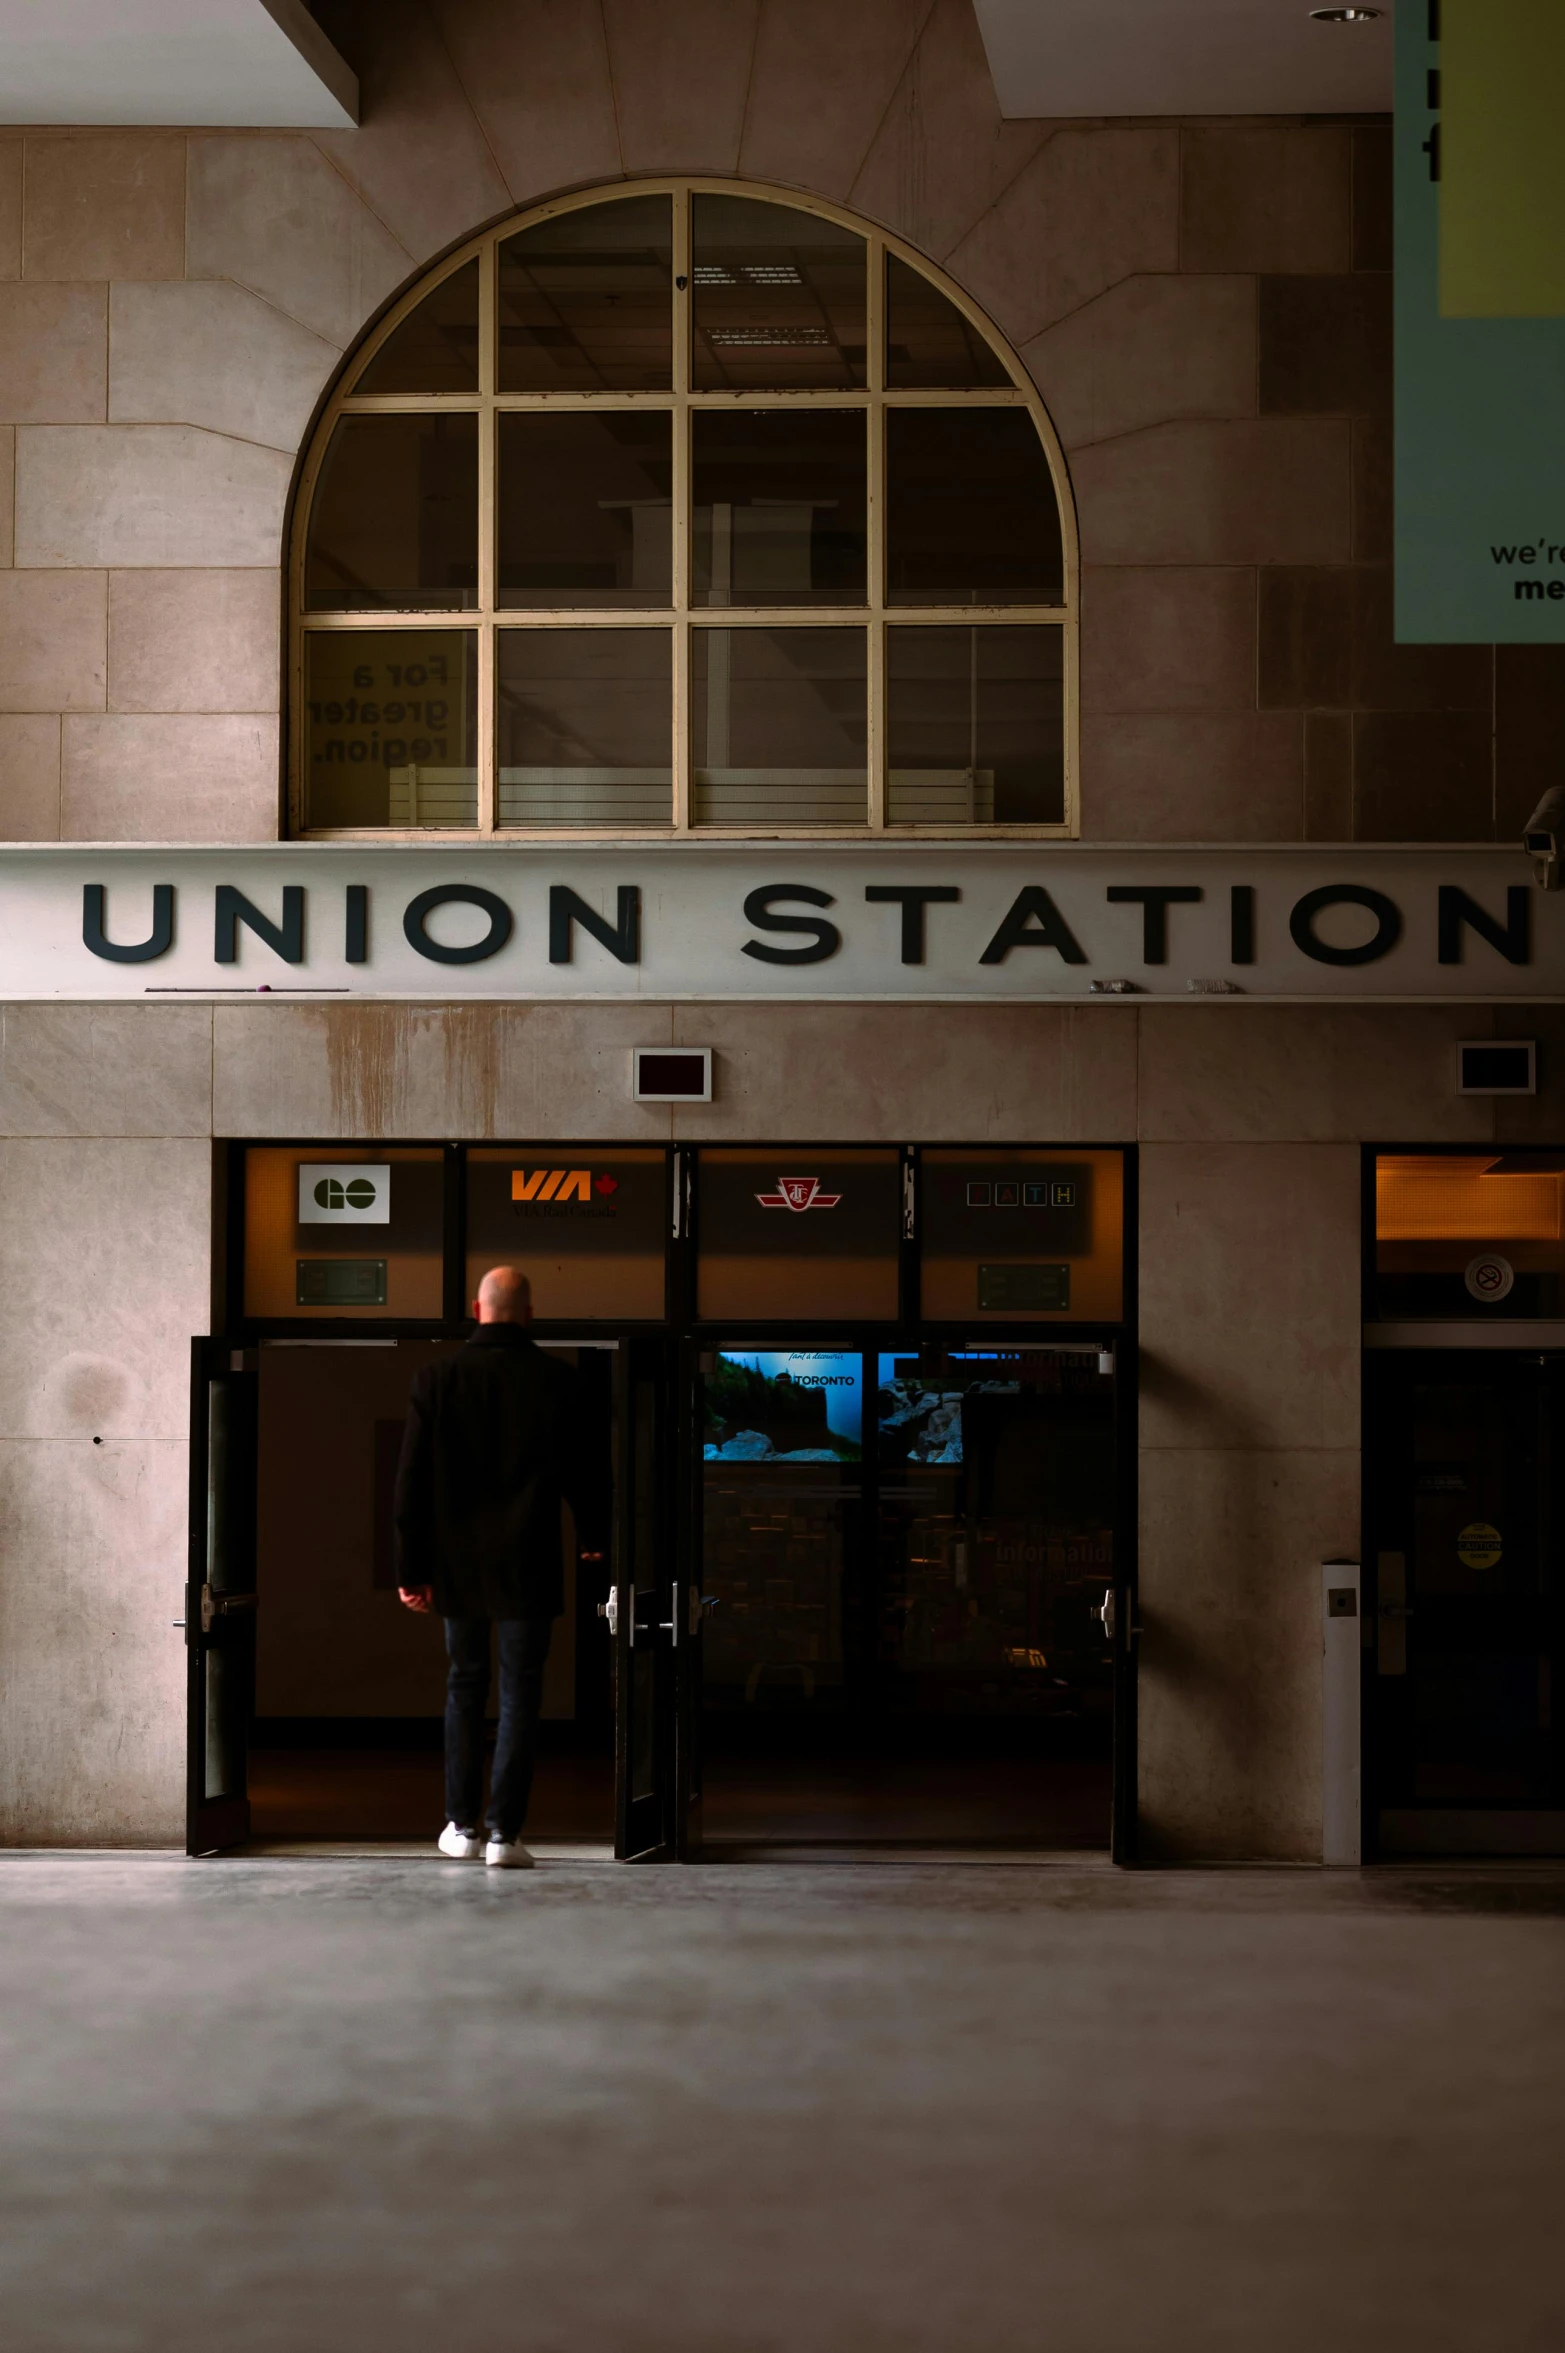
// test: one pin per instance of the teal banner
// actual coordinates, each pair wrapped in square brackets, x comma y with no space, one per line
[1480,339]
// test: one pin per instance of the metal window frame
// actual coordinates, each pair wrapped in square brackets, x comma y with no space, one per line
[488,617]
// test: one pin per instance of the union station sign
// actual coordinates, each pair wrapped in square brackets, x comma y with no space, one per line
[941,922]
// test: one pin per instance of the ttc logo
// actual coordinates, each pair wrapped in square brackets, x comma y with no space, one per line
[798,1193]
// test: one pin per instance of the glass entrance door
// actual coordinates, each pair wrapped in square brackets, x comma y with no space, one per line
[904,1558]
[1466,1463]
[640,1608]
[220,1596]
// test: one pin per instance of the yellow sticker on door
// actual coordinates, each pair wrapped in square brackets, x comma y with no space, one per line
[1478,1546]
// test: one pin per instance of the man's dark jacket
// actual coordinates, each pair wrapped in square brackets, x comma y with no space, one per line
[495,1437]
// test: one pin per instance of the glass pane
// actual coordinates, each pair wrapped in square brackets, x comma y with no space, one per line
[391,727]
[779,507]
[928,341]
[997,1506]
[975,724]
[584,509]
[586,301]
[971,517]
[586,726]
[778,298]
[775,1542]
[394,525]
[1022,1236]
[436,347]
[1470,1234]
[588,1228]
[335,1230]
[786,1233]
[778,726]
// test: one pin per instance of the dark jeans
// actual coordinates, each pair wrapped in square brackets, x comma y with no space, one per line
[524,1647]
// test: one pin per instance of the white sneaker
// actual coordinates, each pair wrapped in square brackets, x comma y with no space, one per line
[463,1846]
[507,1854]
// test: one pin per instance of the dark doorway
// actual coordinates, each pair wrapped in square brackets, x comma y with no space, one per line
[1465,1463]
[904,1557]
[346,1739]
[871,1585]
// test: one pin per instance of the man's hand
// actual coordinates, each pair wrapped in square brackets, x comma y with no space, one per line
[417,1597]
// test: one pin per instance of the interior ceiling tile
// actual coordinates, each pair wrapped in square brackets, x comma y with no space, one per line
[1057,58]
[242,63]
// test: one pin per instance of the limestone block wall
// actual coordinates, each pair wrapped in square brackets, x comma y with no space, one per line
[1249,1121]
[105,1258]
[1204,307]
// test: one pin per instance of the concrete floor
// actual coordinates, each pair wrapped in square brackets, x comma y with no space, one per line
[873,2108]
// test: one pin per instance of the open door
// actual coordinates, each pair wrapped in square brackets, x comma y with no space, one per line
[1120,1617]
[220,1594]
[640,1608]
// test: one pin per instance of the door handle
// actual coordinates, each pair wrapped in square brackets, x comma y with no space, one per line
[223,1605]
[701,1605]
[610,1609]
[1108,1617]
[1394,1609]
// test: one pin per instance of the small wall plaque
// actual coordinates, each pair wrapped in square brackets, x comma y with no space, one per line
[340,1282]
[1044,1287]
[673,1074]
[1497,1066]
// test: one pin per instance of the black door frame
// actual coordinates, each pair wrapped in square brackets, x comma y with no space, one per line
[1373,1382]
[1121,1629]
[220,1595]
[672,1633]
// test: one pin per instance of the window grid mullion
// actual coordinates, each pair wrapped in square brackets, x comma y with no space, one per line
[488,551]
[681,517]
[875,529]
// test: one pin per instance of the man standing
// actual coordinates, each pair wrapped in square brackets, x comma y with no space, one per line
[496,1436]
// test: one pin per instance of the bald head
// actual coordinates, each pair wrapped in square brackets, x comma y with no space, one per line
[504,1297]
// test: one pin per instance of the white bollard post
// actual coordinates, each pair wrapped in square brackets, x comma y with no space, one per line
[1342,1836]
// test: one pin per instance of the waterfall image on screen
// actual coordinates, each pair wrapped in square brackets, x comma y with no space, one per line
[776,1405]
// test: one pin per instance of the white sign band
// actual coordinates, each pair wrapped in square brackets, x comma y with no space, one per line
[937,922]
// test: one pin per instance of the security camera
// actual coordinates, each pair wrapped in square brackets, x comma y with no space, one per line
[1544,840]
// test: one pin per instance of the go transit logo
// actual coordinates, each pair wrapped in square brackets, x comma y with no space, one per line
[351,1192]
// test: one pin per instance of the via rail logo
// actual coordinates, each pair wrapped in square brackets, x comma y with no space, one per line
[352,1192]
[798,1194]
[561,1184]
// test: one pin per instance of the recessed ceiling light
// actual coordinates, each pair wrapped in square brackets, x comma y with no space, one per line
[1346,16]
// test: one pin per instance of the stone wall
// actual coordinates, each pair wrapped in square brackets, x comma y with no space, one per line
[1249,1120]
[1205,308]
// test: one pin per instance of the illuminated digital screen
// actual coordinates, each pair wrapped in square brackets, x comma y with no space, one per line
[784,1405]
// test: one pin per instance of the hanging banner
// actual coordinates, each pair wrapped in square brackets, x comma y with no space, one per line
[1480,322]
[1024,921]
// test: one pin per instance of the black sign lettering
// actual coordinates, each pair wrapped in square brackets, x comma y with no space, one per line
[826,939]
[451,894]
[622,939]
[1034,921]
[1241,923]
[285,938]
[1154,899]
[356,926]
[913,898]
[157,943]
[1459,913]
[1387,914]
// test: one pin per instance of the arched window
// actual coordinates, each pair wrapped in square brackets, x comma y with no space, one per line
[683,509]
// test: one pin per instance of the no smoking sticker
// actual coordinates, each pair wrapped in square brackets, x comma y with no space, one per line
[1490,1277]
[1478,1546]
